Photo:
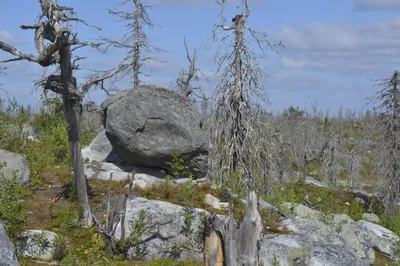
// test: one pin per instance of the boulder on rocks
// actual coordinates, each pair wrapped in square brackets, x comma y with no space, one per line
[147,124]
[166,233]
[16,166]
[39,244]
[8,253]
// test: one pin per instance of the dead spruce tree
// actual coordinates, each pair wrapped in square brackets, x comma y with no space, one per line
[55,44]
[388,165]
[135,41]
[353,163]
[189,75]
[234,133]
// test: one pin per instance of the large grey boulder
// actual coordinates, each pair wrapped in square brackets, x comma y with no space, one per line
[17,166]
[8,253]
[39,244]
[146,124]
[166,234]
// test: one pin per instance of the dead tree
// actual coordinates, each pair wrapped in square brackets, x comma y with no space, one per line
[52,26]
[135,41]
[353,162]
[186,77]
[234,135]
[388,165]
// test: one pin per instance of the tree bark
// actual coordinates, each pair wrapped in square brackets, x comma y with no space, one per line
[239,243]
[73,111]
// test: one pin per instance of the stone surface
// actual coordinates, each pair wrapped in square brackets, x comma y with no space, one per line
[145,125]
[383,240]
[289,250]
[305,212]
[16,164]
[340,230]
[215,202]
[316,182]
[100,149]
[38,244]
[167,233]
[8,253]
[371,217]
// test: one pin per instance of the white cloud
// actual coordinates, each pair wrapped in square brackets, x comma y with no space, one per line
[6,37]
[370,5]
[366,50]
[292,63]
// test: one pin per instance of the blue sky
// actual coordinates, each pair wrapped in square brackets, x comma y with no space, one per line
[332,46]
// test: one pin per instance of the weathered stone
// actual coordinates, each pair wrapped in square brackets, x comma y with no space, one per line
[100,149]
[333,255]
[316,182]
[167,233]
[17,166]
[215,202]
[341,231]
[39,244]
[8,253]
[283,249]
[383,240]
[289,250]
[371,217]
[145,125]
[305,212]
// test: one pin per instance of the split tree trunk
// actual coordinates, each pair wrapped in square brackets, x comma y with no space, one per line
[231,244]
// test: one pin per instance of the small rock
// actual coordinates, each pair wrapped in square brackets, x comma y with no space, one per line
[316,182]
[371,217]
[39,244]
[214,202]
[305,212]
[17,166]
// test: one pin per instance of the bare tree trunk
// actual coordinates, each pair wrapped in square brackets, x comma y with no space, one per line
[136,46]
[239,244]
[237,92]
[73,111]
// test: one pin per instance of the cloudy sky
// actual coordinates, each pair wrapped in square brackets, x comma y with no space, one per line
[332,47]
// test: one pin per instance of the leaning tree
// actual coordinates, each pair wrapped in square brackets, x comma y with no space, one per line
[55,43]
[235,136]
[388,166]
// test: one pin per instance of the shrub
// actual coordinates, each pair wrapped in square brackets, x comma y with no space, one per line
[12,205]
